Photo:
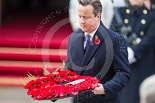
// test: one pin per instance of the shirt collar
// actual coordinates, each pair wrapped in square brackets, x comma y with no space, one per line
[91,34]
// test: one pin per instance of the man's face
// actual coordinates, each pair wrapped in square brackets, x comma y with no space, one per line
[136,3]
[87,19]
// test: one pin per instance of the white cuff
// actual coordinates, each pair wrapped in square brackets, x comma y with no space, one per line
[131,56]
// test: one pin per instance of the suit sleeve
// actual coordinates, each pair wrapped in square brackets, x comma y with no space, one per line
[146,42]
[120,67]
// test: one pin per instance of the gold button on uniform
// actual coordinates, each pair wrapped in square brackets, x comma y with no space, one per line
[143,21]
[142,33]
[126,21]
[128,11]
[145,11]
[134,42]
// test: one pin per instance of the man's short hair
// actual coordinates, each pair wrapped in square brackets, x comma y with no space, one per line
[147,90]
[95,3]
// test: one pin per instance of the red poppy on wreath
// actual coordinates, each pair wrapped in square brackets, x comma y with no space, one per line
[64,90]
[97,40]
[74,91]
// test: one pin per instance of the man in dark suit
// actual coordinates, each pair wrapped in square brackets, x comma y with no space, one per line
[97,51]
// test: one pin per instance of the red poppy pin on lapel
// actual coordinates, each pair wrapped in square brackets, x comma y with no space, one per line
[97,40]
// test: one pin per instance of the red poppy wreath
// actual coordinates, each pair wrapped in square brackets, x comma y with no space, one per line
[59,84]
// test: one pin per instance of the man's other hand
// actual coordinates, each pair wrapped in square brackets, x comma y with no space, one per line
[99,89]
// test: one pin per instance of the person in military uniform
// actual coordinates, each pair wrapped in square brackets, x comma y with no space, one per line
[137,24]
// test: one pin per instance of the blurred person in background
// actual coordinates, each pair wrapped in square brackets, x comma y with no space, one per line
[137,24]
[147,90]
[119,3]
[106,15]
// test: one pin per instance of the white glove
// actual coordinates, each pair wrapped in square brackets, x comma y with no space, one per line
[131,56]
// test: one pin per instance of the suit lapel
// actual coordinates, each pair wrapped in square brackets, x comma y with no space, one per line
[77,48]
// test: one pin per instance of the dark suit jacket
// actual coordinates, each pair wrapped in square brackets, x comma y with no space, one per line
[107,61]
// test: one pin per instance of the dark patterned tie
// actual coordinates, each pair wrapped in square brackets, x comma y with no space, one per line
[87,42]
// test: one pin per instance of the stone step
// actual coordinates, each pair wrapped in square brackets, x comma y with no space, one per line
[19,95]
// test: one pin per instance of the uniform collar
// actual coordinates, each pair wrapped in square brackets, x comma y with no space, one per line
[138,11]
